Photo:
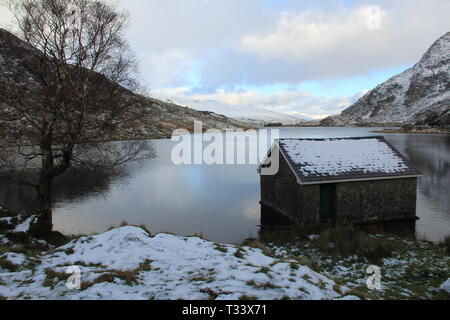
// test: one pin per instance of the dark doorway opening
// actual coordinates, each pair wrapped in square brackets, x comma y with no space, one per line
[327,201]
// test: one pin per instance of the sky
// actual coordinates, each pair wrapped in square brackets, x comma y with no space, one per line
[305,58]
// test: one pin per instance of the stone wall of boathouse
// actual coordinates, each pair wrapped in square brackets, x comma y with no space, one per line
[356,202]
[376,201]
[282,195]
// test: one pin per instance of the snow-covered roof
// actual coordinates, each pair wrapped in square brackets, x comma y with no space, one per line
[330,160]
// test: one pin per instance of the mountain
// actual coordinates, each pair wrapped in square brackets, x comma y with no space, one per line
[418,96]
[253,115]
[267,117]
[159,119]
[248,114]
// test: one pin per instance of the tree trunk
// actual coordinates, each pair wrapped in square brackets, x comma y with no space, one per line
[43,225]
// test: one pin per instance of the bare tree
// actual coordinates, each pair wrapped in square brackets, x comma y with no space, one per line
[68,93]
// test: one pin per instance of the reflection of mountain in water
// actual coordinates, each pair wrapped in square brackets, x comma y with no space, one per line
[431,155]
[74,185]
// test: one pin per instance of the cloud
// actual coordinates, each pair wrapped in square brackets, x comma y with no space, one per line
[192,49]
[171,67]
[257,42]
[347,42]
[246,102]
[193,24]
[193,29]
[300,37]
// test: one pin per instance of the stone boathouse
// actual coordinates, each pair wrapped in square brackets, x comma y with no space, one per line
[355,180]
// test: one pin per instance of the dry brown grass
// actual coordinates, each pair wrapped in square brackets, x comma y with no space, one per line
[129,277]
[344,241]
[52,277]
[6,264]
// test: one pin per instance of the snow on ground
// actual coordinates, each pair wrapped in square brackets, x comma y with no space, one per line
[3,240]
[446,286]
[24,226]
[7,219]
[416,270]
[15,258]
[126,263]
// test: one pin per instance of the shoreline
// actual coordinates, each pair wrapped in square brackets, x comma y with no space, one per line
[7,144]
[413,131]
[130,263]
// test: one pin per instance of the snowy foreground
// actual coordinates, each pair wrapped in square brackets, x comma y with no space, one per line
[127,263]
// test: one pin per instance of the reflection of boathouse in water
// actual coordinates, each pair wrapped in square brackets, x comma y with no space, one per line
[358,180]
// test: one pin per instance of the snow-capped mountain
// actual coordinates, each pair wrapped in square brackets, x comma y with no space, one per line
[254,115]
[266,117]
[248,114]
[418,96]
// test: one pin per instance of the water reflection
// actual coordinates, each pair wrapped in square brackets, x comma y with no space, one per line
[431,154]
[221,202]
[73,186]
[275,225]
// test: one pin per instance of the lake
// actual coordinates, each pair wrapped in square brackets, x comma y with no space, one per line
[220,202]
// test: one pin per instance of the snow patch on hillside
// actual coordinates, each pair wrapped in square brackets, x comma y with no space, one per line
[257,116]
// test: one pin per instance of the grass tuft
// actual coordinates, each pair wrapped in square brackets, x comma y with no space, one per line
[294,266]
[220,248]
[146,265]
[125,223]
[343,241]
[239,253]
[255,244]
[264,270]
[211,293]
[129,277]
[8,265]
[264,286]
[53,276]
[446,244]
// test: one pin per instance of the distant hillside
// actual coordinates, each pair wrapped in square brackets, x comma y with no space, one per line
[418,96]
[249,114]
[269,117]
[159,118]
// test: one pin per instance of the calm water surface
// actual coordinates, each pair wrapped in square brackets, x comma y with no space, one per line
[220,201]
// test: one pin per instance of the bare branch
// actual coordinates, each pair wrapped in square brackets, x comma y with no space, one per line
[66,91]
